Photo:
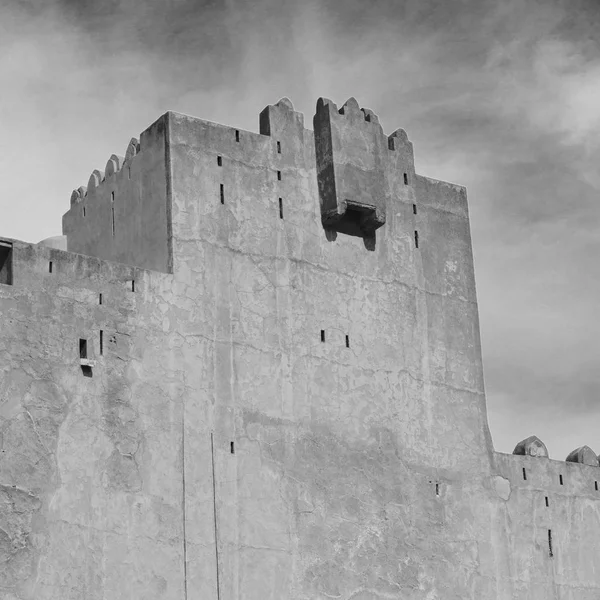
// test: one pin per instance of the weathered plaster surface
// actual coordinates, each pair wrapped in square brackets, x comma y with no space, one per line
[221,449]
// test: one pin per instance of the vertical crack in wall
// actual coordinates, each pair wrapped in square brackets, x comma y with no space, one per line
[212,455]
[185,591]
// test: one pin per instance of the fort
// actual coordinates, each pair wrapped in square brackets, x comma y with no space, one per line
[250,369]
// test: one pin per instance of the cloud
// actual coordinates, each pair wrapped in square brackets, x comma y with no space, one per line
[498,96]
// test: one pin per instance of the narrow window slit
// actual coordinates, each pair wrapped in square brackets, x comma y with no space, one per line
[232,448]
[219,161]
[6,260]
[278,175]
[99,298]
[128,172]
[281,208]
[437,489]
[550,552]
[278,147]
[82,348]
[347,341]
[112,196]
[84,212]
[322,335]
[101,342]
[50,267]
[524,474]
[222,192]
[405,179]
[560,479]
[416,239]
[414,209]
[133,285]
[112,216]
[547,503]
[237,135]
[596,485]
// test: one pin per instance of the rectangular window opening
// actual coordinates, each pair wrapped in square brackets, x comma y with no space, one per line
[547,503]
[596,485]
[347,341]
[232,448]
[128,172]
[560,479]
[524,474]
[50,267]
[278,147]
[237,135]
[84,212]
[281,208]
[416,239]
[414,209]
[133,285]
[112,196]
[112,216]
[101,342]
[99,298]
[222,192]
[550,552]
[83,348]
[219,161]
[405,179]
[322,335]
[6,263]
[278,175]
[437,489]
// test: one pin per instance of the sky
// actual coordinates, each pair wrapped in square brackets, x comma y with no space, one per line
[501,96]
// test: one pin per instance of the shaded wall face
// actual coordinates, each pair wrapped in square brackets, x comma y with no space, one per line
[90,462]
[349,380]
[124,216]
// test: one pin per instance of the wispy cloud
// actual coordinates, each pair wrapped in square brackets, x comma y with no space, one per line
[499,96]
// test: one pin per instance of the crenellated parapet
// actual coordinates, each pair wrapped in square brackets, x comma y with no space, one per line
[533,446]
[114,164]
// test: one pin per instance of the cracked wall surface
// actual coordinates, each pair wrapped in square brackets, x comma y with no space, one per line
[290,414]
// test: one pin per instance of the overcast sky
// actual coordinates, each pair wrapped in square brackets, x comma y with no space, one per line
[502,96]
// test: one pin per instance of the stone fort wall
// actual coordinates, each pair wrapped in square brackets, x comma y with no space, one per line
[289,402]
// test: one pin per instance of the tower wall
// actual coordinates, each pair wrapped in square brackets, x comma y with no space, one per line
[123,213]
[296,411]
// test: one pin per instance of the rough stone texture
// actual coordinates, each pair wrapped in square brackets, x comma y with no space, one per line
[224,447]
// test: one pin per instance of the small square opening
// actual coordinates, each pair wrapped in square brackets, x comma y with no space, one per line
[6,263]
